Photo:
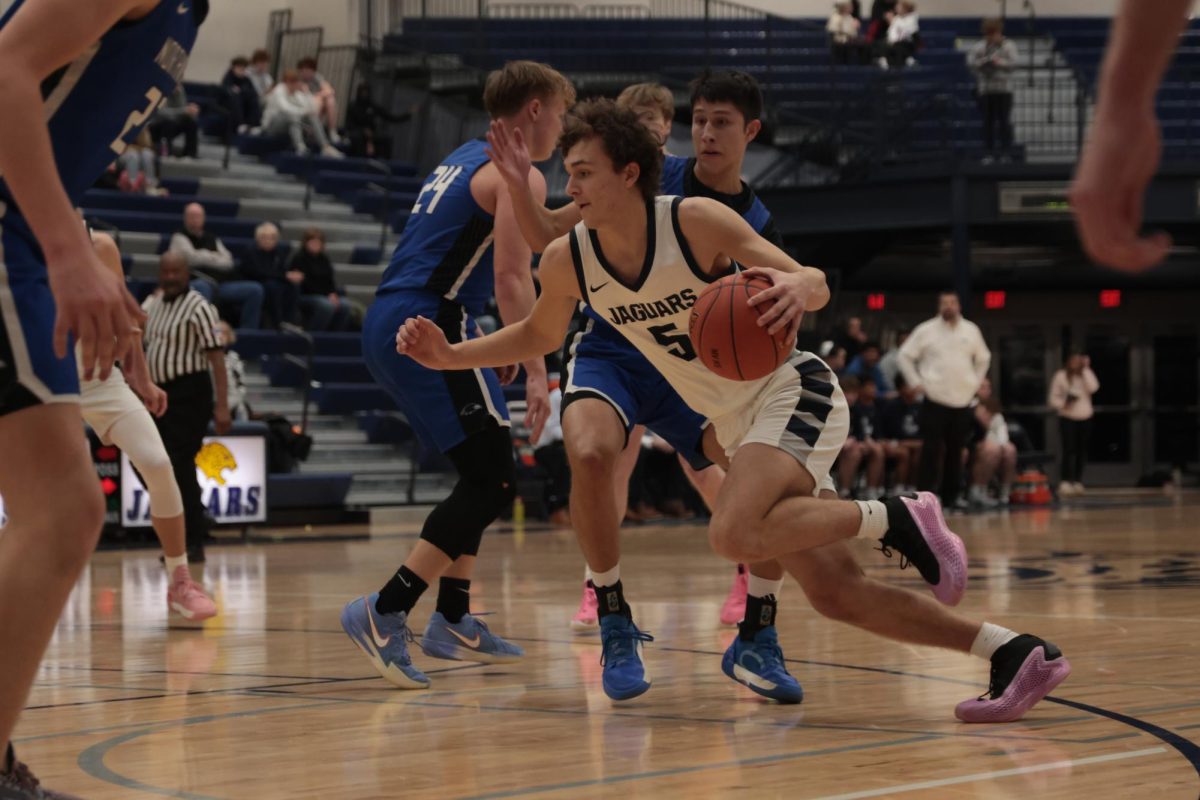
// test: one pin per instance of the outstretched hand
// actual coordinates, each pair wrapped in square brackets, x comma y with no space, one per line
[537,406]
[509,153]
[421,340]
[1118,161]
[790,291]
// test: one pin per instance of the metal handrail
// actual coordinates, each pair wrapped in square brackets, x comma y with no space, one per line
[305,363]
[385,227]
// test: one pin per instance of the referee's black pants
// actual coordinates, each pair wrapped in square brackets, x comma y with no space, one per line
[189,409]
[944,434]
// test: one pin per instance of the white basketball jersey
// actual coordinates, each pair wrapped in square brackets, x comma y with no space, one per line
[653,311]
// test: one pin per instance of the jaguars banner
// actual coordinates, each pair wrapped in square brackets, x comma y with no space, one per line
[232,472]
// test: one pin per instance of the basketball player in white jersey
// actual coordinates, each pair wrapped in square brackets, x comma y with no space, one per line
[648,259]
[1124,142]
[115,413]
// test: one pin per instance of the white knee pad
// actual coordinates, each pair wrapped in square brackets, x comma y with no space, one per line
[137,435]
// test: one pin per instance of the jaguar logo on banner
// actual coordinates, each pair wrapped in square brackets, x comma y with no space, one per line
[232,472]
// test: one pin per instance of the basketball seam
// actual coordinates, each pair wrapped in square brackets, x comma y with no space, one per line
[704,322]
[733,333]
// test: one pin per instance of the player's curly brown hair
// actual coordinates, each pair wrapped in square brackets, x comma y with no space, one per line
[626,140]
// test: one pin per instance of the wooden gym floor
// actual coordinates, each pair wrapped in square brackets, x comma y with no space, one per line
[271,700]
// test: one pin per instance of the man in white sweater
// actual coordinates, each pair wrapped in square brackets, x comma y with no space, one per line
[947,359]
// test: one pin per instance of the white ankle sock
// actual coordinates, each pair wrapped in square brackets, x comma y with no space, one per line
[607,578]
[763,587]
[990,639]
[874,519]
[174,563]
[587,573]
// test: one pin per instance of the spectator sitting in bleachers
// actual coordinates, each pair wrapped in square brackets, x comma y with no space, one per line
[902,37]
[864,426]
[320,301]
[835,356]
[207,255]
[241,97]
[851,336]
[889,362]
[363,131]
[138,173]
[259,73]
[866,365]
[266,263]
[843,28]
[856,450]
[289,110]
[174,117]
[900,420]
[992,60]
[882,14]
[324,99]
[995,456]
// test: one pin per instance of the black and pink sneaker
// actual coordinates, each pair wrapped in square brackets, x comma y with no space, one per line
[1024,671]
[917,531]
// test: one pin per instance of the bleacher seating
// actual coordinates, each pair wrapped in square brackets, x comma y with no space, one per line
[933,108]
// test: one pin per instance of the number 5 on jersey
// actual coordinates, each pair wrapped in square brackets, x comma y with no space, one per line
[443,176]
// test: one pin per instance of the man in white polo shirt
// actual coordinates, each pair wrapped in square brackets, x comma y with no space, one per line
[947,359]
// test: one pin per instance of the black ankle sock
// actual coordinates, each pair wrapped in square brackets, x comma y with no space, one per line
[401,592]
[454,599]
[760,613]
[611,600]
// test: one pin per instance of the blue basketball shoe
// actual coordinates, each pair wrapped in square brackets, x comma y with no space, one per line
[467,640]
[759,666]
[384,639]
[625,675]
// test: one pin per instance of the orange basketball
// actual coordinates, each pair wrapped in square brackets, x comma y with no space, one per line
[725,332]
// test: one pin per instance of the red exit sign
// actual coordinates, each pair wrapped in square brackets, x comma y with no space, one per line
[1110,298]
[876,302]
[994,301]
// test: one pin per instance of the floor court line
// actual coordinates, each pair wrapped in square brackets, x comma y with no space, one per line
[666,773]
[986,776]
[959,732]
[91,760]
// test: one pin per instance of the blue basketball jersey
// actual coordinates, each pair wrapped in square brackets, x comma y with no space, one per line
[679,179]
[446,247]
[96,105]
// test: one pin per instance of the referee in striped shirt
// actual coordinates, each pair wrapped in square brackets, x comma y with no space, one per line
[182,346]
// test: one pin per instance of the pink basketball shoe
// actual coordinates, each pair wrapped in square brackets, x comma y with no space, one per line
[917,530]
[186,598]
[585,618]
[1024,671]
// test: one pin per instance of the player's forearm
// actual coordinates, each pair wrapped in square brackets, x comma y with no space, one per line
[1142,42]
[512,344]
[539,225]
[515,297]
[136,367]
[819,298]
[27,163]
